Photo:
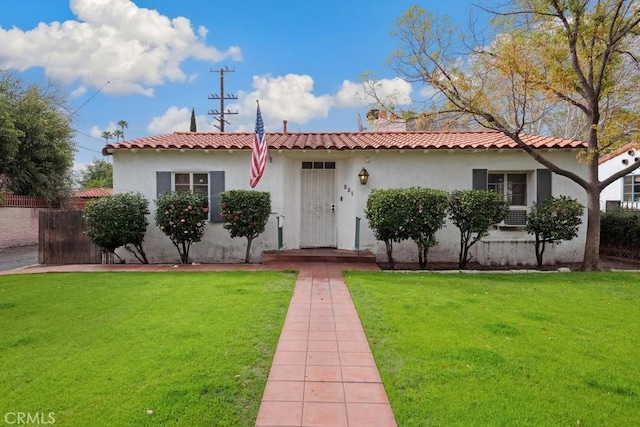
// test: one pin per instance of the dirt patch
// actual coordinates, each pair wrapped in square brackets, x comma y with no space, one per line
[606,264]
[609,263]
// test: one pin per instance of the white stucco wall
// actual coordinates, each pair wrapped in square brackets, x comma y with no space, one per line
[614,190]
[444,169]
[451,170]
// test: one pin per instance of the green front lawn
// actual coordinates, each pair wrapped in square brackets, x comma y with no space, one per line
[102,349]
[505,349]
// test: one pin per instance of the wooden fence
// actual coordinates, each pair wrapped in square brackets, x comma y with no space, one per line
[622,252]
[61,239]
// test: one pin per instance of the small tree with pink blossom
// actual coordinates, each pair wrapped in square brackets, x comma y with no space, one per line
[245,214]
[181,215]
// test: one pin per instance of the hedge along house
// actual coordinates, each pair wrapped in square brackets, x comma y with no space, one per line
[318,199]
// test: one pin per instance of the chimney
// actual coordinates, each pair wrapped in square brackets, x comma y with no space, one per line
[284,126]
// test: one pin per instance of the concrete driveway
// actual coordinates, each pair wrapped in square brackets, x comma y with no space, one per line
[19,256]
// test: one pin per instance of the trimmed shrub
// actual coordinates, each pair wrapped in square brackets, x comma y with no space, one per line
[181,215]
[118,220]
[427,210]
[553,220]
[386,212]
[473,212]
[620,228]
[245,214]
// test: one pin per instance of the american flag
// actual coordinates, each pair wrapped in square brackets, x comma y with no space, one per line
[259,152]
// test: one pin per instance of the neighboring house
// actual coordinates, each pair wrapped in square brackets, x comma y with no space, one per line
[385,121]
[82,197]
[626,190]
[316,194]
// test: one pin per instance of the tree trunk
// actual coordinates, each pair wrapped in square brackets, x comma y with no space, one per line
[248,252]
[138,253]
[142,253]
[184,255]
[389,246]
[463,256]
[592,242]
[422,257]
[120,260]
[539,250]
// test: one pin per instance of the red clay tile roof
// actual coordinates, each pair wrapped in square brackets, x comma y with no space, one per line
[93,193]
[616,153]
[340,141]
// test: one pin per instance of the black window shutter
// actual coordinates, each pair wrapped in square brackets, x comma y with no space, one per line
[543,184]
[216,186]
[163,183]
[480,177]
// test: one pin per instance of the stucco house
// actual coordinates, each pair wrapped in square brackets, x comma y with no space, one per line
[317,196]
[626,190]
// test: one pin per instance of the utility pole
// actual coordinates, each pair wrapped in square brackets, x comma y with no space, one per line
[222,112]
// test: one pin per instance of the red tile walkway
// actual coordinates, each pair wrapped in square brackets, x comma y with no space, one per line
[323,372]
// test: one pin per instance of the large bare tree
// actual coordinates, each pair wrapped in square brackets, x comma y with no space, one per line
[552,66]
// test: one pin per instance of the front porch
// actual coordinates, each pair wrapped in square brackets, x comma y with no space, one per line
[318,255]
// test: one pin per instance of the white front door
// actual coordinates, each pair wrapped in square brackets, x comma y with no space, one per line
[318,205]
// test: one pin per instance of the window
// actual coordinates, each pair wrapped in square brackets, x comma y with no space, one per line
[631,188]
[512,185]
[318,165]
[196,182]
[514,188]
[211,183]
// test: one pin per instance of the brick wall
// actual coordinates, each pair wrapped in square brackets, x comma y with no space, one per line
[18,227]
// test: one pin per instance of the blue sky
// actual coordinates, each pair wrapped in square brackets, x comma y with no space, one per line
[148,62]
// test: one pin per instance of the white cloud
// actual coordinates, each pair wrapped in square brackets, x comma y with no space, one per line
[178,119]
[173,120]
[132,48]
[79,91]
[429,92]
[291,98]
[352,94]
[393,91]
[288,97]
[79,169]
[96,132]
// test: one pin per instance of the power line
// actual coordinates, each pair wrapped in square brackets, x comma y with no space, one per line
[88,149]
[88,135]
[90,98]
